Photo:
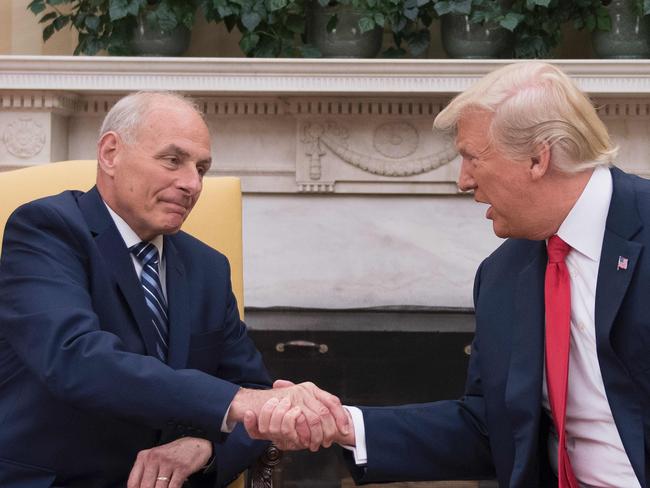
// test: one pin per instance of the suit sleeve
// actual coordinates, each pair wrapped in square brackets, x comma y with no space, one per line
[47,317]
[230,459]
[239,451]
[431,441]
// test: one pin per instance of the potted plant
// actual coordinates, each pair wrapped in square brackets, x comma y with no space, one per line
[120,27]
[475,29]
[620,28]
[535,24]
[278,28]
[337,27]
[269,28]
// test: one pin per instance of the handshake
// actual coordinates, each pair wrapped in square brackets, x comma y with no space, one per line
[293,416]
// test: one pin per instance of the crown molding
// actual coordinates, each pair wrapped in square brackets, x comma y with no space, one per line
[293,76]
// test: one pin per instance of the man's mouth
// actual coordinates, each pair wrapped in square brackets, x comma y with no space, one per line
[490,210]
[177,207]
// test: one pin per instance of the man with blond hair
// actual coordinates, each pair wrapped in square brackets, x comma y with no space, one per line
[558,386]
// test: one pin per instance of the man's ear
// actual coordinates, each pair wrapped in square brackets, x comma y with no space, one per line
[540,164]
[107,150]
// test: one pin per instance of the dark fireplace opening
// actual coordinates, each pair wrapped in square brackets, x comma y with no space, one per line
[366,357]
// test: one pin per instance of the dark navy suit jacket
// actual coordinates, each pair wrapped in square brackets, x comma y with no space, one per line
[80,390]
[498,429]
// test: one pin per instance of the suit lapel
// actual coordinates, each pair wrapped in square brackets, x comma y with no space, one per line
[623,223]
[179,306]
[118,262]
[523,395]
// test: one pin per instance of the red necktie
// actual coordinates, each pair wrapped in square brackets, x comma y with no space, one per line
[557,293]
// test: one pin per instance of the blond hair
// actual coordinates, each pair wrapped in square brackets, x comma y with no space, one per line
[533,104]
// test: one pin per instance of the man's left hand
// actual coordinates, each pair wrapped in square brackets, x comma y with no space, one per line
[169,465]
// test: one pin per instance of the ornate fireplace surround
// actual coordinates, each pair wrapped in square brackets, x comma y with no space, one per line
[324,148]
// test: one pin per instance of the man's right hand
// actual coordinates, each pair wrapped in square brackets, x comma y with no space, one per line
[288,428]
[293,416]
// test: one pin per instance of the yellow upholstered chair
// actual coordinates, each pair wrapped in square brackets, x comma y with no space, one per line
[216,218]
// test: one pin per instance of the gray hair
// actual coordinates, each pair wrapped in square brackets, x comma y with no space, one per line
[127,114]
[533,104]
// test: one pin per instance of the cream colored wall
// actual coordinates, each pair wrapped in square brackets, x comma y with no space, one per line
[20,33]
[5,27]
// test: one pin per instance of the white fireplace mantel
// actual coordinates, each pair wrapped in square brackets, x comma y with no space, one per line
[227,76]
[293,125]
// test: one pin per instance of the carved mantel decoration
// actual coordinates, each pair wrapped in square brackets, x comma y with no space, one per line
[294,126]
[24,138]
[391,150]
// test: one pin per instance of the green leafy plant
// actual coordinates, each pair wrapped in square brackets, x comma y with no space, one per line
[276,28]
[535,24]
[407,20]
[269,28]
[590,15]
[594,15]
[108,24]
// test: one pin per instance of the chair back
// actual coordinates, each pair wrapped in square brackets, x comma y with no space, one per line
[216,219]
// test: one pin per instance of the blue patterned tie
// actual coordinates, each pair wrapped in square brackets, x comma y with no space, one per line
[147,254]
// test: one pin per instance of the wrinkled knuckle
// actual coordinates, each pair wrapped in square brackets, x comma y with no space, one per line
[267,408]
[155,456]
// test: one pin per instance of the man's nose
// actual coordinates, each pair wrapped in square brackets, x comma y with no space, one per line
[190,180]
[465,179]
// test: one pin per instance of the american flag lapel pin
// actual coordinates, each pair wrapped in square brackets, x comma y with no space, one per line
[622,263]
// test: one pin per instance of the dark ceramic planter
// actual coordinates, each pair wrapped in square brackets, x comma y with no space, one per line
[150,39]
[346,40]
[463,39]
[628,37]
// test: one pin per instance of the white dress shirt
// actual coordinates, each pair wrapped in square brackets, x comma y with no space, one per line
[131,239]
[593,441]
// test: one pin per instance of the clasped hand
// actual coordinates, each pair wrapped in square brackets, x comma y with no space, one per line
[298,417]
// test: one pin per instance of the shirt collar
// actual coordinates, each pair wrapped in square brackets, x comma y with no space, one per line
[128,234]
[584,227]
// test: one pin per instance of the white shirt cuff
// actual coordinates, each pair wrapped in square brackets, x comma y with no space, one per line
[359,451]
[227,428]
